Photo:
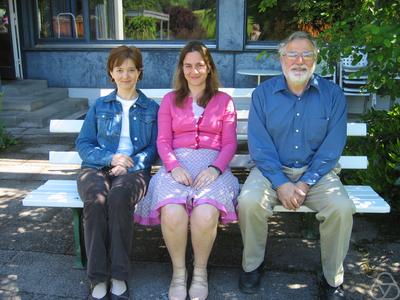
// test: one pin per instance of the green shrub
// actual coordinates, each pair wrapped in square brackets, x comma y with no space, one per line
[140,28]
[382,146]
[5,138]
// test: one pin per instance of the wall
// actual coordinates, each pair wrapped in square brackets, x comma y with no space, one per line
[75,66]
[88,68]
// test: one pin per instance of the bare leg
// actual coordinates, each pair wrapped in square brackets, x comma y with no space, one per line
[174,226]
[203,227]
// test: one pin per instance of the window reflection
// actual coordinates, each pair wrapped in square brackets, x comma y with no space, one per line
[282,18]
[60,19]
[152,20]
[127,19]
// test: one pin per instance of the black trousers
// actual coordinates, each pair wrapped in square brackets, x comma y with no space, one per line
[108,208]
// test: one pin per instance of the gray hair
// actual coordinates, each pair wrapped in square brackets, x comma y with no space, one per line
[297,35]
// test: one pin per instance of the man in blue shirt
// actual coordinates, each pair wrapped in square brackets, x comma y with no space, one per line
[296,134]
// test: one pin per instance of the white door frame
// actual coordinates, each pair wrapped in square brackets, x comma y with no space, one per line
[12,4]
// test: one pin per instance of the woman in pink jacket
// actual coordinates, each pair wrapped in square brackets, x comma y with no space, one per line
[196,141]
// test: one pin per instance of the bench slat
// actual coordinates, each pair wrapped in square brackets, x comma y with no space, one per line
[238,161]
[63,193]
[74,126]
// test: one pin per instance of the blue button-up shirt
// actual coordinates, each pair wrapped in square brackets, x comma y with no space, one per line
[297,131]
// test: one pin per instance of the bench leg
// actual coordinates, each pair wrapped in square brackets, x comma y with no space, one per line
[309,226]
[79,243]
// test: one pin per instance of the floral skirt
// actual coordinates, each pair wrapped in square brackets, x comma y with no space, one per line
[163,189]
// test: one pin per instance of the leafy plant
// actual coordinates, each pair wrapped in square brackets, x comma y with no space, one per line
[140,28]
[181,19]
[374,29]
[347,27]
[382,146]
[207,21]
[5,138]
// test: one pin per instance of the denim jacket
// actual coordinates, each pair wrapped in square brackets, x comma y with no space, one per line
[100,134]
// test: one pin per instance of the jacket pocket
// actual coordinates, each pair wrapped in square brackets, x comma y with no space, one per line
[146,123]
[108,124]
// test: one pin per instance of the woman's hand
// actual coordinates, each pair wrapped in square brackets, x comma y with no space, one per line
[182,176]
[122,160]
[205,177]
[117,171]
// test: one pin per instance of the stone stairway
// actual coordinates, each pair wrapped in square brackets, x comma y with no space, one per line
[31,103]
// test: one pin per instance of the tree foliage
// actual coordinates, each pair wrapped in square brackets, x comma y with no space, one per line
[382,146]
[351,27]
[357,27]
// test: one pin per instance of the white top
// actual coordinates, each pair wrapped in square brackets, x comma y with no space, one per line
[197,110]
[125,144]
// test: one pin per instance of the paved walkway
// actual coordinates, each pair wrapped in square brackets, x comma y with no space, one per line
[36,245]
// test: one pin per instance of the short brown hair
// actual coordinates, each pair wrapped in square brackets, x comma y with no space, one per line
[180,84]
[119,54]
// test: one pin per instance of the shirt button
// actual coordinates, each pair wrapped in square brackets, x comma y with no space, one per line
[296,147]
[296,161]
[134,105]
[299,98]
[298,114]
[135,138]
[297,130]
[134,118]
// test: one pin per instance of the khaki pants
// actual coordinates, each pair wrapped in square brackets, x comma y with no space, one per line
[328,198]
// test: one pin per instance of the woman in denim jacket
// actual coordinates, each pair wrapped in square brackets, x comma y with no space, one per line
[117,144]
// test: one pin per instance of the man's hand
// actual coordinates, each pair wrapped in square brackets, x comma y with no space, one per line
[117,171]
[301,192]
[182,176]
[122,160]
[205,177]
[286,194]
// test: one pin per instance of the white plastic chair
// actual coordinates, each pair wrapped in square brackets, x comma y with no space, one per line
[353,85]
[330,76]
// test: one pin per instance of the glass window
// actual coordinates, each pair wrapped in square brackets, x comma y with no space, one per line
[152,19]
[60,19]
[269,20]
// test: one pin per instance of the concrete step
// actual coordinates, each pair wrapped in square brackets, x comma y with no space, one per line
[22,87]
[33,101]
[41,117]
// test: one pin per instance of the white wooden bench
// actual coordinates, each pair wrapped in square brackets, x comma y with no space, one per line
[63,193]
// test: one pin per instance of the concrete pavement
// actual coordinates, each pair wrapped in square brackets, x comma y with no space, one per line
[36,245]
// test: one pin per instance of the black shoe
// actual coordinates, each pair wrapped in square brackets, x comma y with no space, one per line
[249,282]
[331,293]
[123,296]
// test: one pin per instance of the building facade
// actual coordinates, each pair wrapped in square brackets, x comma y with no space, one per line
[55,44]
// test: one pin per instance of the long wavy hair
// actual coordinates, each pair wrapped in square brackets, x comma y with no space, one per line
[180,83]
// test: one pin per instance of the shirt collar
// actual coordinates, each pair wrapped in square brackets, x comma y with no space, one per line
[141,101]
[281,83]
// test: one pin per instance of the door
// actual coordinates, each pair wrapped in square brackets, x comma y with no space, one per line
[7,66]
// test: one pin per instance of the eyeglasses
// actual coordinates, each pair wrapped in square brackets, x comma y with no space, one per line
[293,55]
[198,67]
